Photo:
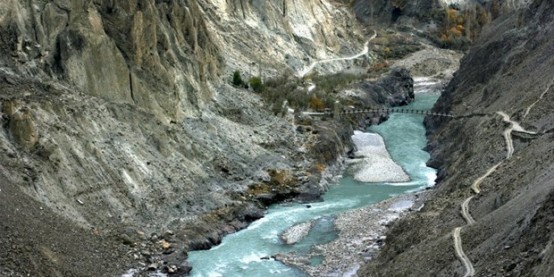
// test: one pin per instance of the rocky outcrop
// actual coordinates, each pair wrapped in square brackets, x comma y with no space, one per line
[20,124]
[398,87]
[395,88]
[509,70]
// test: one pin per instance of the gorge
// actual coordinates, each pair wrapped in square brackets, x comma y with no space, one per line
[127,143]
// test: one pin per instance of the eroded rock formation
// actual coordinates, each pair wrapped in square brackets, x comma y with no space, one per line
[118,117]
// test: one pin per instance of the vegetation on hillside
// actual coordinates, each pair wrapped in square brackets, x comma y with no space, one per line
[458,26]
[289,91]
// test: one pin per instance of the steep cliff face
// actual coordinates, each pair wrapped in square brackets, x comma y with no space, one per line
[133,52]
[160,56]
[425,11]
[117,115]
[508,70]
[268,35]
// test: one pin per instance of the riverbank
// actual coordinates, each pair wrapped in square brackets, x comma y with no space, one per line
[361,232]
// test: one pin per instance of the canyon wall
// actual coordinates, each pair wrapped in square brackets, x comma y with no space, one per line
[508,69]
[119,117]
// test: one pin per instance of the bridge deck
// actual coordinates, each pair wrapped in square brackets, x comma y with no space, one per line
[379,111]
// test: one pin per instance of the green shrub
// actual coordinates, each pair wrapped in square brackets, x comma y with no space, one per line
[277,108]
[256,84]
[335,82]
[237,79]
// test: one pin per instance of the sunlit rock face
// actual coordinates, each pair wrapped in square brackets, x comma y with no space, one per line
[161,56]
[126,105]
[131,52]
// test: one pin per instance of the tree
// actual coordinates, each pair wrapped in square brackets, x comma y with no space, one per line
[237,79]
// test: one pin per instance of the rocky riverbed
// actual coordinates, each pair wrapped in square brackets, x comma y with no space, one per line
[361,235]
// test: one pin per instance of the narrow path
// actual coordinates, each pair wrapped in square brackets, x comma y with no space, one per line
[364,51]
[475,185]
[538,100]
[470,271]
[465,211]
[514,127]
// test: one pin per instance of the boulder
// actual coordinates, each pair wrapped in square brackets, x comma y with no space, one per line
[21,126]
[297,232]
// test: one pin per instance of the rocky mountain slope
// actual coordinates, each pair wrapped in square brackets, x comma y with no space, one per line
[510,70]
[119,125]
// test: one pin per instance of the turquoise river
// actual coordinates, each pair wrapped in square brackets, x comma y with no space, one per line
[240,254]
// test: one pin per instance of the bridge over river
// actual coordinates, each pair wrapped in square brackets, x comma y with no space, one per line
[367,111]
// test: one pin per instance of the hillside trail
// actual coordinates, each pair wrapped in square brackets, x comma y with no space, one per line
[507,134]
[514,126]
[470,271]
[528,110]
[364,51]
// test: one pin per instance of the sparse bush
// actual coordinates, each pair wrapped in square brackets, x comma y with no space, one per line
[396,45]
[276,91]
[319,167]
[256,84]
[335,82]
[277,108]
[461,25]
[316,103]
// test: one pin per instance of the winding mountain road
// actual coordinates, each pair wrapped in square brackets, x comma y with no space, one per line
[364,51]
[514,126]
[475,186]
[465,211]
[470,271]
